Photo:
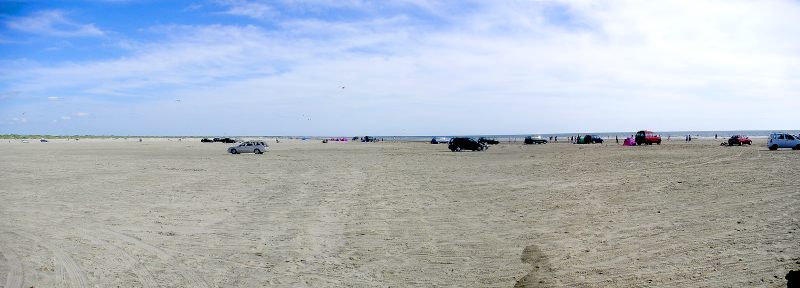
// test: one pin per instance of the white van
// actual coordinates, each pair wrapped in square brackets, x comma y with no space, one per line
[783,140]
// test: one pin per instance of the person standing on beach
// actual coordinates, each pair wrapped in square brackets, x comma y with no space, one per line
[616,137]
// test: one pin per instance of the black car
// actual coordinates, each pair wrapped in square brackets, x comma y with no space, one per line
[535,140]
[224,140]
[206,140]
[488,141]
[597,139]
[368,139]
[464,143]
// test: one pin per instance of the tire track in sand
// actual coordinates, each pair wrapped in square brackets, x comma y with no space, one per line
[192,278]
[123,259]
[15,274]
[69,271]
[726,157]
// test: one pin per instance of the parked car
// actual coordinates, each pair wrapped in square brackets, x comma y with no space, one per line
[535,140]
[585,139]
[739,140]
[647,137]
[597,139]
[783,140]
[368,139]
[464,143]
[43,140]
[257,147]
[488,141]
[439,140]
[206,140]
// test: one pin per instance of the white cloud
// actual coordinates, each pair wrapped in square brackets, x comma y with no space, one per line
[65,118]
[630,63]
[53,23]
[53,98]
[81,114]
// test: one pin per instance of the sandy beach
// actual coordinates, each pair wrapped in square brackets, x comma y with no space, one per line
[108,213]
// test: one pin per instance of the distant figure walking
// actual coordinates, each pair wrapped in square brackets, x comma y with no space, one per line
[616,138]
[715,136]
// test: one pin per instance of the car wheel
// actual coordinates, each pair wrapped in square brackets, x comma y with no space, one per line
[740,143]
[233,151]
[797,147]
[773,147]
[458,149]
[257,151]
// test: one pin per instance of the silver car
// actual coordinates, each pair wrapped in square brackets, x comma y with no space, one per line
[257,147]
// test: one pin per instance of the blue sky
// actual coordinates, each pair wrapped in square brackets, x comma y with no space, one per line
[411,67]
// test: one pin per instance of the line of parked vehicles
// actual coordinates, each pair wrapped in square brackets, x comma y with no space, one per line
[457,144]
[643,137]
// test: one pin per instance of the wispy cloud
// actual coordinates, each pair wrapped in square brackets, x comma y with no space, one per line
[252,9]
[523,61]
[9,94]
[53,23]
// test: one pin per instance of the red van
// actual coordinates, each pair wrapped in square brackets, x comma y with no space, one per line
[647,137]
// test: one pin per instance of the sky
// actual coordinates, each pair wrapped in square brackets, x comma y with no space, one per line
[401,67]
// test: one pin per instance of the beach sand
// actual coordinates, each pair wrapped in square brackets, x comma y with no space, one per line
[107,213]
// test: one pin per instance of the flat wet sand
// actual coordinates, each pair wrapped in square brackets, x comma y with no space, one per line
[105,213]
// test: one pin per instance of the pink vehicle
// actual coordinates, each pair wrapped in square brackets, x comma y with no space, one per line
[629,142]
